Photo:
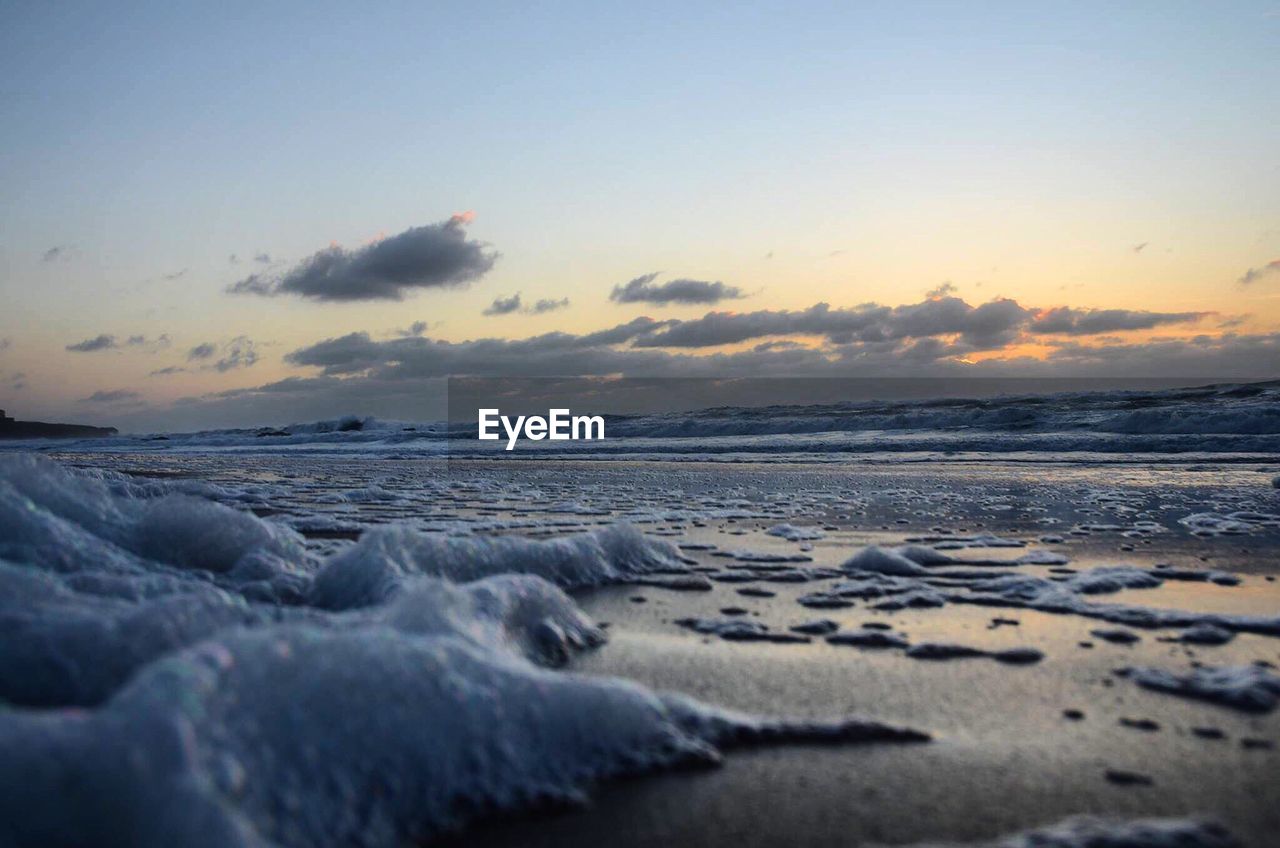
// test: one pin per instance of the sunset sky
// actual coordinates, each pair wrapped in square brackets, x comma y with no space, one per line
[239,214]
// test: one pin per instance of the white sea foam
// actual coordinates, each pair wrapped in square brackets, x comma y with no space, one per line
[1092,832]
[1251,688]
[215,709]
[375,567]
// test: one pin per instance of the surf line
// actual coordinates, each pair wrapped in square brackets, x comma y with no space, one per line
[559,425]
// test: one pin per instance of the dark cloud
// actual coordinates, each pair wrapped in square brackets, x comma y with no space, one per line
[724,328]
[202,351]
[1202,356]
[915,338]
[503,305]
[417,328]
[987,326]
[262,258]
[55,253]
[1083,322]
[4,344]
[643,289]
[359,352]
[547,304]
[406,377]
[106,341]
[1253,275]
[165,372]
[114,396]
[390,377]
[508,305]
[239,352]
[160,342]
[431,256]
[100,342]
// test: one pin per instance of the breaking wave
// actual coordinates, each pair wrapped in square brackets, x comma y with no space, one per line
[1215,420]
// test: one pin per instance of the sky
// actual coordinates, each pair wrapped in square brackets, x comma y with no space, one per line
[240,214]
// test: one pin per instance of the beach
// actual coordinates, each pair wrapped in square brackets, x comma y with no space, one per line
[754,648]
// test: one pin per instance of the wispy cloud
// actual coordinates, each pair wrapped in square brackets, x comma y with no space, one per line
[508,305]
[239,352]
[114,396]
[1253,275]
[107,341]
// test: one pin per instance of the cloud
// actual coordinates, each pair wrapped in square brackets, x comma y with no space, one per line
[106,341]
[417,328]
[160,342]
[1138,248]
[1253,275]
[987,326]
[99,342]
[53,254]
[115,396]
[358,352]
[943,290]
[4,344]
[981,327]
[503,305]
[1077,322]
[202,351]
[175,275]
[547,304]
[165,372]
[262,258]
[913,338]
[508,305]
[239,352]
[405,377]
[643,289]
[392,376]
[431,256]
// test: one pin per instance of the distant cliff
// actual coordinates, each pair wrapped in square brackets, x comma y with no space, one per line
[10,429]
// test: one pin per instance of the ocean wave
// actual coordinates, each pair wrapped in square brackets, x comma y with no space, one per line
[1225,419]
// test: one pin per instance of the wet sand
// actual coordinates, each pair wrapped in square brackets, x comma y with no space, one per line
[1005,756]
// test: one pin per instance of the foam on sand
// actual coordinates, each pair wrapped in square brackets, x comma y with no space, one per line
[1250,687]
[1091,832]
[266,737]
[377,565]
[204,680]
